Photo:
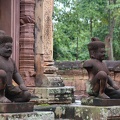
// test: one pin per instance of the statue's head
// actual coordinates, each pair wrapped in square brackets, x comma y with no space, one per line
[5,45]
[96,49]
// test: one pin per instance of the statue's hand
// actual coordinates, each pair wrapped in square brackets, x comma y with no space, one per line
[23,87]
[115,87]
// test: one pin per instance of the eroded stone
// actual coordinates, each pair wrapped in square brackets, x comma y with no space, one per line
[28,116]
[16,107]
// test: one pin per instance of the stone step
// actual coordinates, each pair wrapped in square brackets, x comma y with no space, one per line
[16,107]
[47,115]
[76,111]
[52,95]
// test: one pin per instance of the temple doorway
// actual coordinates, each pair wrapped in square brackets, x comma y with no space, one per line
[9,22]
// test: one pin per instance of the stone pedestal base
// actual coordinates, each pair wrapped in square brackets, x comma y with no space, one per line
[16,107]
[97,113]
[27,116]
[99,102]
[53,94]
[49,80]
[53,80]
[75,111]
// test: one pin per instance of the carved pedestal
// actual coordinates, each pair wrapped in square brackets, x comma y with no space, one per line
[16,107]
[23,111]
[28,116]
[50,95]
[94,101]
[82,112]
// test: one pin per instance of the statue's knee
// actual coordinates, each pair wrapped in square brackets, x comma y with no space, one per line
[3,76]
[102,75]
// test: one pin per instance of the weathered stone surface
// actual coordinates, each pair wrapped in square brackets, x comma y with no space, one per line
[49,80]
[87,100]
[97,113]
[99,102]
[106,102]
[50,69]
[52,80]
[28,116]
[26,41]
[67,65]
[82,112]
[53,94]
[16,107]
[60,111]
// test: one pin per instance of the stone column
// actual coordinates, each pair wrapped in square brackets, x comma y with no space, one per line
[44,63]
[27,41]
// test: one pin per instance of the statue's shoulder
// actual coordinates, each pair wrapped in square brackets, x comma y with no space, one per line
[88,63]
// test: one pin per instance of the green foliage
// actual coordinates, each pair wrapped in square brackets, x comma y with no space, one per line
[76,21]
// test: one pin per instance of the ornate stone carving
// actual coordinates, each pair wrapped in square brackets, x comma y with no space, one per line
[44,45]
[99,83]
[27,41]
[48,42]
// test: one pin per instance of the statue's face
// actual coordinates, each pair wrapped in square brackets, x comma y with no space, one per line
[6,50]
[99,54]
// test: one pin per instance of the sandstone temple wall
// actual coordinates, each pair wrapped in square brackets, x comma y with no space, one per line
[74,74]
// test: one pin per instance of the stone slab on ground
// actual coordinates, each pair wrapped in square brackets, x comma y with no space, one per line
[106,102]
[99,102]
[76,111]
[97,113]
[16,107]
[52,95]
[28,116]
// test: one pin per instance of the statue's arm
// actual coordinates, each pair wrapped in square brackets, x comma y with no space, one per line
[87,64]
[18,79]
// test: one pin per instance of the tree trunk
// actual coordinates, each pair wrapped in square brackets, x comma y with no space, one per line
[108,47]
[109,37]
[91,27]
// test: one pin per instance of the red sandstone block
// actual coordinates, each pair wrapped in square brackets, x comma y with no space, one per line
[80,85]
[67,83]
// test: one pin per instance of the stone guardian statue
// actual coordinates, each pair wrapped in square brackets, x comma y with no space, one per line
[99,84]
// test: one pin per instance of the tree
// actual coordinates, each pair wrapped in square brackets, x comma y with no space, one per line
[76,21]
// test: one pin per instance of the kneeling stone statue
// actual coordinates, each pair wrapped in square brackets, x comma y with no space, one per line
[99,84]
[8,72]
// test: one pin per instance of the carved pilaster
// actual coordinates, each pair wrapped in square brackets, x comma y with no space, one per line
[27,41]
[45,69]
[48,36]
